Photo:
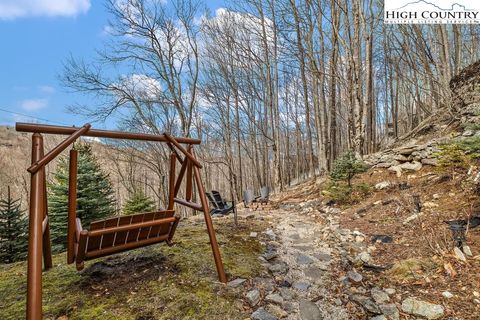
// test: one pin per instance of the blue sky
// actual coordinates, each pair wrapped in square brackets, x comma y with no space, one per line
[36,37]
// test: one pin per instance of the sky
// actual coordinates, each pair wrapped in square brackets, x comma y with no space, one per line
[37,36]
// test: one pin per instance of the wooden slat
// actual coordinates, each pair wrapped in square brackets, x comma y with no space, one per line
[127,246]
[144,231]
[133,233]
[108,238]
[121,236]
[94,241]
[155,230]
[133,228]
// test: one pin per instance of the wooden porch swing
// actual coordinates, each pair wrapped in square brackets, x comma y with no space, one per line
[111,235]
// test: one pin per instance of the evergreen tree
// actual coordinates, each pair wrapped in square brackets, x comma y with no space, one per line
[138,202]
[94,195]
[13,231]
[346,167]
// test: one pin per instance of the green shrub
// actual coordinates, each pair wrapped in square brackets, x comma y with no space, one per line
[346,167]
[458,155]
[342,193]
[138,202]
[338,192]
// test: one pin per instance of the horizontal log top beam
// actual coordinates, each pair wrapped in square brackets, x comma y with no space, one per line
[62,130]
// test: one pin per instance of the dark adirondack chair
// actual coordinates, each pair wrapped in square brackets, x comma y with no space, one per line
[219,205]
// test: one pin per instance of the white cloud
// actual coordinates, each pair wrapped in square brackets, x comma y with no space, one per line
[11,9]
[34,104]
[46,89]
[142,85]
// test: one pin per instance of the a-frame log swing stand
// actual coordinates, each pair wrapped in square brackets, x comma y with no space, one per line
[115,234]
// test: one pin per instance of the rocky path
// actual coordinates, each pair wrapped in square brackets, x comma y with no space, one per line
[309,260]
[315,271]
[300,263]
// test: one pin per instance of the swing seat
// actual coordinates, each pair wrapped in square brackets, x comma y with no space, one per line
[113,235]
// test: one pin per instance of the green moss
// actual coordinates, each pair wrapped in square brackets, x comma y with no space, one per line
[157,282]
[471,126]
[412,269]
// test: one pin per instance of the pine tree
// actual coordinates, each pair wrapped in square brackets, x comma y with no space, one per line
[138,202]
[346,167]
[94,195]
[13,231]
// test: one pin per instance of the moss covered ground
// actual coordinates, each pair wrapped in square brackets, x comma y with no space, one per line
[156,282]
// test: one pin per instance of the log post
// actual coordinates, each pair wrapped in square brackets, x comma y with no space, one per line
[35,237]
[208,221]
[72,205]
[47,244]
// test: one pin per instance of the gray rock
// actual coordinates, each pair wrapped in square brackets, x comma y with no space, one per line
[262,314]
[397,170]
[468,133]
[301,286]
[253,234]
[278,268]
[304,259]
[354,276]
[277,311]
[313,272]
[390,311]
[429,161]
[236,283]
[270,254]
[253,297]
[383,185]
[309,310]
[390,291]
[287,293]
[412,217]
[270,234]
[447,294]
[406,151]
[322,256]
[274,298]
[467,251]
[379,295]
[367,303]
[422,309]
[363,257]
[459,254]
[411,166]
[401,158]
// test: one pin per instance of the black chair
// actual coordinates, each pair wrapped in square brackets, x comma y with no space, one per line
[219,205]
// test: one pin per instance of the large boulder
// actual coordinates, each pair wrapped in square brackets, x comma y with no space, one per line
[422,309]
